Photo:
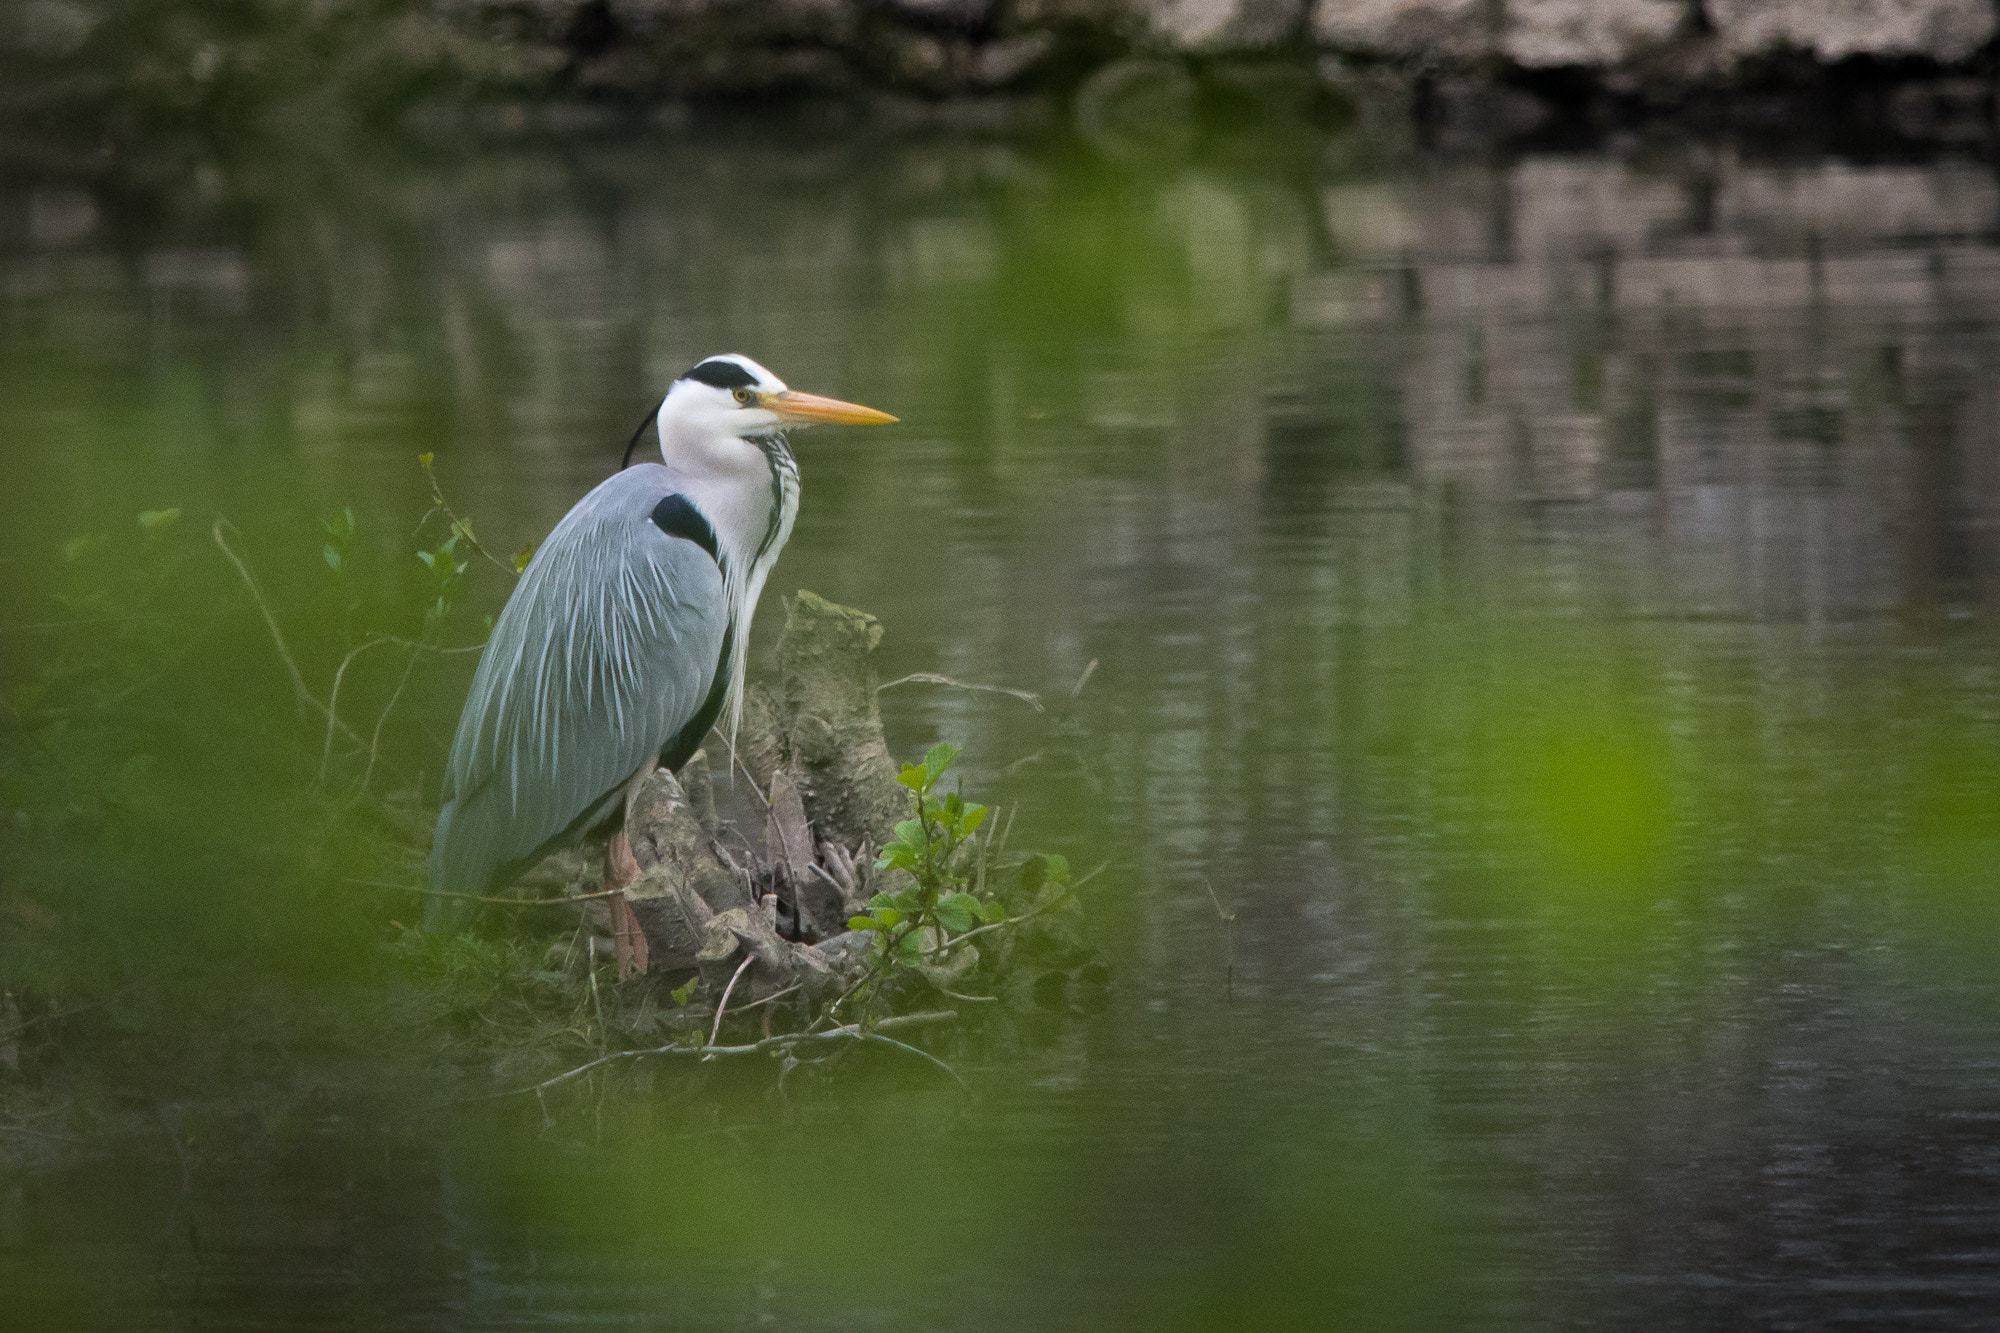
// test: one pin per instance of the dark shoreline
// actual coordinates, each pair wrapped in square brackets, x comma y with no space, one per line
[119,81]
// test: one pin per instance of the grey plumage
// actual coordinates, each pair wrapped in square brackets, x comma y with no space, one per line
[625,638]
[609,645]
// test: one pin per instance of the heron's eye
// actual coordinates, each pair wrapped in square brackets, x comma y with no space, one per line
[745,397]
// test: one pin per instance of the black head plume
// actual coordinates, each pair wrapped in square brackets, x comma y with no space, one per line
[644,422]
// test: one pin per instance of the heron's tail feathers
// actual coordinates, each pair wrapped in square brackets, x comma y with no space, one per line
[460,866]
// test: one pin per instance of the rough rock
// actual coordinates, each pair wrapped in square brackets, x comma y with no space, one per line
[1215,26]
[1542,34]
[1416,30]
[966,14]
[999,63]
[1943,30]
[80,65]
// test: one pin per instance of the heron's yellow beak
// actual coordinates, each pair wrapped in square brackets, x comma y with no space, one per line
[805,409]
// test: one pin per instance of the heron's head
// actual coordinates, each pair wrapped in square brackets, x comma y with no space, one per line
[726,403]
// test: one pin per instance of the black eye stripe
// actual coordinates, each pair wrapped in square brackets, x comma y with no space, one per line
[721,374]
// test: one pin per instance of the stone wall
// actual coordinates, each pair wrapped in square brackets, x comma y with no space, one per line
[89,58]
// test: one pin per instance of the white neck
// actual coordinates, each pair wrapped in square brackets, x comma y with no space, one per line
[737,484]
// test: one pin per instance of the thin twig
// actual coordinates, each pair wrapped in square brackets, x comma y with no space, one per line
[861,1035]
[459,525]
[1033,701]
[723,1005]
[19,1028]
[482,898]
[748,777]
[774,995]
[595,999]
[333,701]
[39,1133]
[976,999]
[1228,942]
[305,696]
[1007,832]
[375,740]
[1032,912]
[1083,680]
[783,1041]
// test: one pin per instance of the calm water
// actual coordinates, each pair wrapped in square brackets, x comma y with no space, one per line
[1550,604]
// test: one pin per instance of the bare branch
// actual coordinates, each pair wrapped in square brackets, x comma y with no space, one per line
[459,525]
[1077,689]
[1032,912]
[305,696]
[333,701]
[782,1042]
[1033,701]
[375,741]
[482,898]
[722,1007]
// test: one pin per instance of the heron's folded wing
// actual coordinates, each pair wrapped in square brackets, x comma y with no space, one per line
[608,646]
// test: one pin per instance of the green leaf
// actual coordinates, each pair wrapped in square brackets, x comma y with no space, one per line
[897,857]
[889,917]
[424,461]
[1058,868]
[430,561]
[993,912]
[911,834]
[957,911]
[332,557]
[914,777]
[682,994]
[937,759]
[863,923]
[975,815]
[152,520]
[901,902]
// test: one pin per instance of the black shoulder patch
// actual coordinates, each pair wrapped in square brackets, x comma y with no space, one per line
[677,518]
[722,374]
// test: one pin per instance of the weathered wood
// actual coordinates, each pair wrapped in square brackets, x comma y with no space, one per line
[665,833]
[809,895]
[814,747]
[699,785]
[824,724]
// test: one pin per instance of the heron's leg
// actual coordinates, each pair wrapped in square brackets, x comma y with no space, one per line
[620,866]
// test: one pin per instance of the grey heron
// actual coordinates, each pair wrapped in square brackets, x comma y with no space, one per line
[623,642]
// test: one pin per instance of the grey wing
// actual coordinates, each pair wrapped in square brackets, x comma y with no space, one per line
[609,645]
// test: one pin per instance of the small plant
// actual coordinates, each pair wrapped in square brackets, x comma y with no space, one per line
[933,849]
[446,570]
[339,529]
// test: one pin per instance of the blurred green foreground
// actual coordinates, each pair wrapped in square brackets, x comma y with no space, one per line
[1544,735]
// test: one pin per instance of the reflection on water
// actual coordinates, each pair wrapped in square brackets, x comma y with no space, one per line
[1548,602]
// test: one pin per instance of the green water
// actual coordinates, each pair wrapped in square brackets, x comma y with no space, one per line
[1549,603]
